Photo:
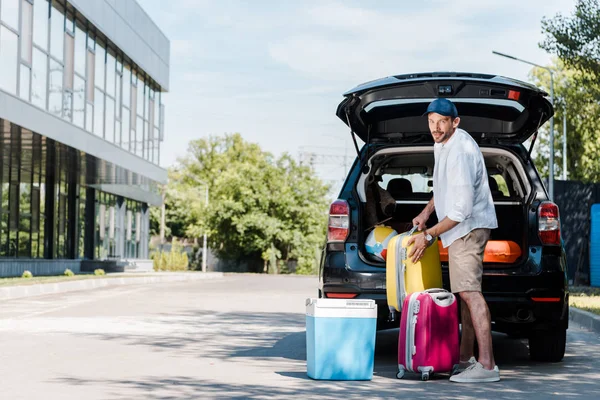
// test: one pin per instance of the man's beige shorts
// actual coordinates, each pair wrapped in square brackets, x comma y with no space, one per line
[465,260]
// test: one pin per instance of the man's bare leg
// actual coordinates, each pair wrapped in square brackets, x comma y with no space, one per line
[481,320]
[467,340]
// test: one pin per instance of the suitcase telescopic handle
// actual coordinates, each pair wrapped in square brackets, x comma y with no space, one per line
[441,296]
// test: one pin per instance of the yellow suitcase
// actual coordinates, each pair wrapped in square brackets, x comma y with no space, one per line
[403,276]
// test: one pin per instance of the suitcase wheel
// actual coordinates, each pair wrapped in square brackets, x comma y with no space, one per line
[425,376]
[400,373]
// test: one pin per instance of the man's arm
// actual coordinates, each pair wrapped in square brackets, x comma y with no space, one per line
[442,227]
[423,216]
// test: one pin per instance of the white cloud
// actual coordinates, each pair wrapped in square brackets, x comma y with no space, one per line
[276,72]
[358,44]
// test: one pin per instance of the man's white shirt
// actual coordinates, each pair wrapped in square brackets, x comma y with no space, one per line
[461,190]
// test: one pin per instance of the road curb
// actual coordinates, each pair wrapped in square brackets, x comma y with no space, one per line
[16,292]
[586,319]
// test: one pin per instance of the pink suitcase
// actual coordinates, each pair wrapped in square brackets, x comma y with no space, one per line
[429,333]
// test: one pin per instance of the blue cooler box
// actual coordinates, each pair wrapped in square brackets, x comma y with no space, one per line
[595,246]
[340,338]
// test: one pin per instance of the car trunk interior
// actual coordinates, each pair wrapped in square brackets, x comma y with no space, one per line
[399,185]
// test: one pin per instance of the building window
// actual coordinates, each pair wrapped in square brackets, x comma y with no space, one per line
[139,137]
[56,90]
[8,60]
[91,67]
[89,117]
[133,106]
[24,84]
[111,72]
[41,15]
[99,113]
[38,81]
[69,61]
[10,13]
[79,101]
[26,31]
[57,28]
[125,129]
[80,51]
[110,120]
[100,65]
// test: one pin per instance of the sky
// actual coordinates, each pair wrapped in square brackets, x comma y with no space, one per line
[275,71]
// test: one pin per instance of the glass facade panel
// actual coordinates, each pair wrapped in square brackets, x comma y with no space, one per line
[57,36]
[56,90]
[22,195]
[41,15]
[24,84]
[68,105]
[69,60]
[100,65]
[110,120]
[118,96]
[133,107]
[140,98]
[127,85]
[111,72]
[99,114]
[26,31]
[10,13]
[8,60]
[80,51]
[125,129]
[139,137]
[79,101]
[146,141]
[90,76]
[38,79]
[70,23]
[89,117]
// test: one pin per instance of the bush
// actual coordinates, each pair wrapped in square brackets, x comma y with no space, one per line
[99,271]
[174,260]
[27,274]
[68,272]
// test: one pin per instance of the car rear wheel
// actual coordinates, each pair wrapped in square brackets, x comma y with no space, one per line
[548,346]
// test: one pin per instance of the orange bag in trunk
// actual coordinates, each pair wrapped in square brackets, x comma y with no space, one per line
[496,251]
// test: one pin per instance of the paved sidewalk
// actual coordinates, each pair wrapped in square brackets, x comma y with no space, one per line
[586,319]
[115,279]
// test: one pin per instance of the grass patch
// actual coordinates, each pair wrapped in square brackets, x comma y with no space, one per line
[585,298]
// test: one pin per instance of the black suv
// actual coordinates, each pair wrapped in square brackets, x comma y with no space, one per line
[390,183]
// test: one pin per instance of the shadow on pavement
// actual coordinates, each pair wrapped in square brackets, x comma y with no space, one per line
[268,337]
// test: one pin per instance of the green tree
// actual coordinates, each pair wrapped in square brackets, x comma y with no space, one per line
[260,208]
[582,112]
[575,39]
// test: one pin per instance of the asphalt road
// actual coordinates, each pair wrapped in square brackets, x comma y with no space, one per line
[238,337]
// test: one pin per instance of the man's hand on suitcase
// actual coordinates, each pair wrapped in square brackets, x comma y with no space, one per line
[419,221]
[420,244]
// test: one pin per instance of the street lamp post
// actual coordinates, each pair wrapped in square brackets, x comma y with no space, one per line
[564,172]
[204,241]
[551,157]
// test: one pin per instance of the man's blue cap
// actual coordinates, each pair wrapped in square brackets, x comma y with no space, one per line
[442,106]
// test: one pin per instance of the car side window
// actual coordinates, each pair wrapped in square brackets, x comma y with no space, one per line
[498,186]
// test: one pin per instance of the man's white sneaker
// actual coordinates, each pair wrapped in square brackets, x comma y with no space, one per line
[461,366]
[477,374]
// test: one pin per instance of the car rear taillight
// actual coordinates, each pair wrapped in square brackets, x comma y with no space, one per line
[341,295]
[339,221]
[549,223]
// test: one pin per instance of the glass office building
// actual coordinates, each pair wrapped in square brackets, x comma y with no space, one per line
[81,124]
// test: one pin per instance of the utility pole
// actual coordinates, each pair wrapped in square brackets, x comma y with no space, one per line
[162,221]
[551,155]
[564,174]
